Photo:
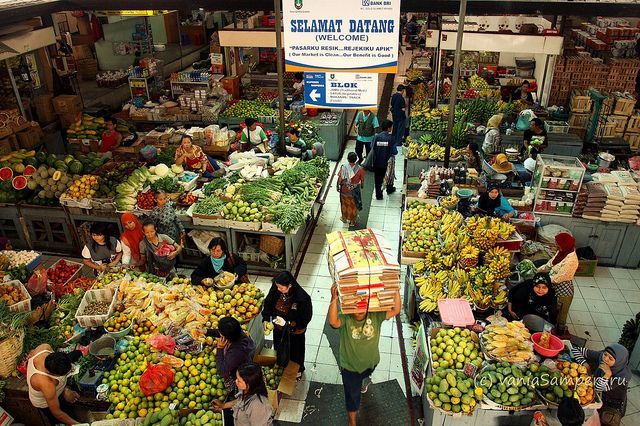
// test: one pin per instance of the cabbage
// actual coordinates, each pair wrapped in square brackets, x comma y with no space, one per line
[177,169]
[161,170]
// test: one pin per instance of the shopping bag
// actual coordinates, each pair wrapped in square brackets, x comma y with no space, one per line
[367,164]
[156,379]
[284,348]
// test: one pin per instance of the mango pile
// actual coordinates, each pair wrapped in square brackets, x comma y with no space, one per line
[507,385]
[452,391]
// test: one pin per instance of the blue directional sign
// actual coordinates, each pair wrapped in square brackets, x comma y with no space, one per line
[341,90]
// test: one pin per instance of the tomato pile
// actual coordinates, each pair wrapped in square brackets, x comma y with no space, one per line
[60,289]
[62,272]
[146,200]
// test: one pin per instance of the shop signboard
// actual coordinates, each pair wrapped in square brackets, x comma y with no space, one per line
[346,90]
[341,35]
[420,361]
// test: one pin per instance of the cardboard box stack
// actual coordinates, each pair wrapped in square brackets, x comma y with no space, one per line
[366,271]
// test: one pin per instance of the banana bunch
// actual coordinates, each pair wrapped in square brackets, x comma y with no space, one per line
[455,290]
[433,261]
[450,244]
[412,150]
[477,82]
[420,281]
[489,93]
[496,253]
[500,299]
[450,260]
[419,268]
[504,229]
[500,267]
[450,223]
[469,256]
[430,292]
[482,277]
[478,297]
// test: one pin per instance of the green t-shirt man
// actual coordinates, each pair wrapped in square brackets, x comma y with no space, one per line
[359,341]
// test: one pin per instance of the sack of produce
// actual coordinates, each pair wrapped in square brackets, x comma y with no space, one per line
[162,343]
[156,379]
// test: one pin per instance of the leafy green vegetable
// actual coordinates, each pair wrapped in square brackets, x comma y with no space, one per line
[527,269]
[20,273]
[167,156]
[289,216]
[215,184]
[166,184]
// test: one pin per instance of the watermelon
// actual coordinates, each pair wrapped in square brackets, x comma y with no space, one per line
[61,165]
[29,170]
[75,167]
[68,159]
[30,161]
[6,173]
[51,160]
[41,157]
[19,183]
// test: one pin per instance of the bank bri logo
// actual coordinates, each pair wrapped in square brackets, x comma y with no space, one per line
[298,4]
[366,3]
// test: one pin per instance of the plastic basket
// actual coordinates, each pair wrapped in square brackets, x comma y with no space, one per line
[74,276]
[25,304]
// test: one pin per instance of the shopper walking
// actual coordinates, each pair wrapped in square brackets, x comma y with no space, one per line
[158,263]
[390,174]
[359,352]
[562,268]
[166,220]
[130,239]
[382,147]
[288,305]
[612,377]
[399,114]
[102,251]
[350,184]
[366,125]
[251,406]
[220,259]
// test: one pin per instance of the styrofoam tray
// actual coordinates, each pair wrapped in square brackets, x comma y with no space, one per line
[25,304]
[103,294]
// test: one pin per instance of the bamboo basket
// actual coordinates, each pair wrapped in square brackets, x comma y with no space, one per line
[10,349]
[272,245]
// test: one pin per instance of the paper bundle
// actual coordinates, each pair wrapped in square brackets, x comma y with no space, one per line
[363,265]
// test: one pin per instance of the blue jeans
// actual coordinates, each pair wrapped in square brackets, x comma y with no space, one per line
[215,166]
[352,383]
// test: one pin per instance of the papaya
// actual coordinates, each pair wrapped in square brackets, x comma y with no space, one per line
[455,392]
[455,400]
[444,397]
[502,388]
[167,420]
[513,391]
[444,386]
[504,397]
[514,398]
[462,386]
[495,393]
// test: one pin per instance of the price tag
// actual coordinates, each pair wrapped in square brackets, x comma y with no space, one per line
[469,370]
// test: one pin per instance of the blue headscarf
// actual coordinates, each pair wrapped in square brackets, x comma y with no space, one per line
[218,263]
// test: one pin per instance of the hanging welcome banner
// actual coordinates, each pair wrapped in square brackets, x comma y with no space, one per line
[341,35]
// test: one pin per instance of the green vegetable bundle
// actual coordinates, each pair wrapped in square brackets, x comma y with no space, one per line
[215,184]
[211,206]
[263,192]
[289,216]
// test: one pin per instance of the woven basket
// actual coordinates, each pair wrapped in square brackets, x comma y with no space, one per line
[10,349]
[173,196]
[272,245]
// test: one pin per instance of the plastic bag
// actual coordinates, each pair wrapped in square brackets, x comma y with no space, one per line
[524,119]
[156,379]
[169,360]
[37,283]
[163,343]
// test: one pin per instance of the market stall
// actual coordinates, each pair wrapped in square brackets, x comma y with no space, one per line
[118,318]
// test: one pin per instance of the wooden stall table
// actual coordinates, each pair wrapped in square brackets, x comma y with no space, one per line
[17,403]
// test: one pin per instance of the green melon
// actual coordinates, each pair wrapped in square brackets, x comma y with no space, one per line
[75,167]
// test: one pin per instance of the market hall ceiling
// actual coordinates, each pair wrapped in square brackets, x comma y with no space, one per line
[14,11]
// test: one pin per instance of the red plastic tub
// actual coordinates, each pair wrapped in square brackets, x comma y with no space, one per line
[555,345]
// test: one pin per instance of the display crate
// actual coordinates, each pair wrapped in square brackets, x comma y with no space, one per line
[580,121]
[23,305]
[619,121]
[633,125]
[100,295]
[580,103]
[624,106]
[633,139]
[556,126]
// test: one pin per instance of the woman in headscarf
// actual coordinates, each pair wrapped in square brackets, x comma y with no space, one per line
[130,239]
[611,377]
[350,182]
[317,150]
[562,268]
[288,304]
[492,203]
[534,302]
[492,139]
